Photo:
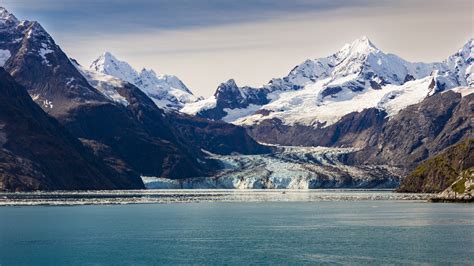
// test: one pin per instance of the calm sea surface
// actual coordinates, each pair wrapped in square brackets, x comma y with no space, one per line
[240,232]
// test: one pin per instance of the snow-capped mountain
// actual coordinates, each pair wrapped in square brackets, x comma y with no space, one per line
[319,92]
[33,58]
[167,91]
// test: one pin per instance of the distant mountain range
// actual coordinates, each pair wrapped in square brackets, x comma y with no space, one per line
[167,91]
[105,126]
[320,92]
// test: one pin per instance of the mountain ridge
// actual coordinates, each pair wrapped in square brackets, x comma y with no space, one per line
[167,91]
[359,73]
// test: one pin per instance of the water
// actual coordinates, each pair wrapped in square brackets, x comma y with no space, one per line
[200,195]
[239,232]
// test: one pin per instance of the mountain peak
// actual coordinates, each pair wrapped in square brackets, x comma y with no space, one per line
[230,83]
[108,56]
[108,64]
[6,16]
[146,72]
[361,45]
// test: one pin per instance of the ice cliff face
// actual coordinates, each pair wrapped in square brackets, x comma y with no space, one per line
[288,168]
[167,91]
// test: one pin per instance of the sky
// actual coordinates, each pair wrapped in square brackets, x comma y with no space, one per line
[206,42]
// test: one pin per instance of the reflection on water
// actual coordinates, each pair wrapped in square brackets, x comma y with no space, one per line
[183,196]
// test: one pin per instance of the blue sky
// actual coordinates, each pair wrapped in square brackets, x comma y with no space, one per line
[206,42]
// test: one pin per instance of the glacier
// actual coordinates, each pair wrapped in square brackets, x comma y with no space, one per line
[288,167]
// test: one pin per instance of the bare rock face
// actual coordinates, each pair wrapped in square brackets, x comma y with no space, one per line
[422,130]
[353,130]
[38,63]
[37,153]
[216,136]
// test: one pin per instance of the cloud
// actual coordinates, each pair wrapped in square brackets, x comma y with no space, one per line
[120,16]
[256,42]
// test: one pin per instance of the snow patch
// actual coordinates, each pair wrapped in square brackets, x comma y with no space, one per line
[44,50]
[4,56]
[196,107]
[105,84]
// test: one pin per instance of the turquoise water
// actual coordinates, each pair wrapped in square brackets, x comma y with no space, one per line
[355,232]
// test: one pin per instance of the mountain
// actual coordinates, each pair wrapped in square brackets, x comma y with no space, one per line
[114,119]
[319,92]
[167,91]
[214,136]
[54,82]
[422,130]
[439,172]
[37,153]
[394,111]
[120,124]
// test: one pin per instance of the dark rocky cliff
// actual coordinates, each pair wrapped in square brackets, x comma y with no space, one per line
[37,153]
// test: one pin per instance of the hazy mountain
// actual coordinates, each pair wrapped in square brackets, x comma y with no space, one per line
[167,91]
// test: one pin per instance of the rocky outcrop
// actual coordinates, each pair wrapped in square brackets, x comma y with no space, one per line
[37,153]
[439,172]
[462,190]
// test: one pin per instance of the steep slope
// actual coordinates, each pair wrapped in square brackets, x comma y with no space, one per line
[167,91]
[37,153]
[33,60]
[439,172]
[422,130]
[137,133]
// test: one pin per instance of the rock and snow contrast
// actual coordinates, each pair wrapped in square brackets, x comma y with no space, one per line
[319,92]
[105,84]
[388,113]
[167,91]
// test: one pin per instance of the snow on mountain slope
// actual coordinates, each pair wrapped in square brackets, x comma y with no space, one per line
[105,84]
[167,91]
[319,92]
[306,108]
[460,67]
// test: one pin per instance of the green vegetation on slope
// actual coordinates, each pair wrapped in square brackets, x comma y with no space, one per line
[439,172]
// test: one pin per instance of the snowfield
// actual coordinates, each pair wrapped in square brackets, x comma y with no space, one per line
[306,108]
[319,92]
